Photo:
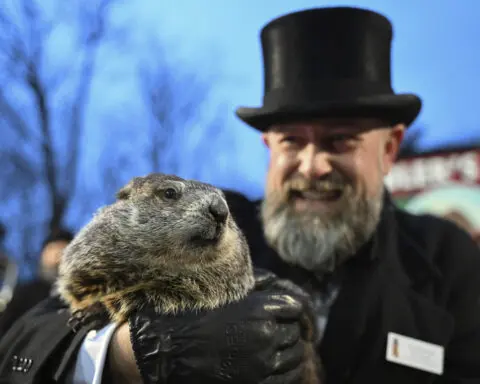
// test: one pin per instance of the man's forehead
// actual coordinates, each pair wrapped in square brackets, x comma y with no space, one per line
[354,125]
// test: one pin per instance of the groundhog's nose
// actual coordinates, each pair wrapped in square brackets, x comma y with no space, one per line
[219,210]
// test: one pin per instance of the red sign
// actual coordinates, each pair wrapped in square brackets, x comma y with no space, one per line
[415,174]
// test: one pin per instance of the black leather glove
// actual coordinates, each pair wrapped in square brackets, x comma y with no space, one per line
[257,340]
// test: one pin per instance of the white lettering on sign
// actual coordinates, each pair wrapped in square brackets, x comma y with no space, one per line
[420,173]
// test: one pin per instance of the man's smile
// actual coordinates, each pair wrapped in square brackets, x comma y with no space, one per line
[323,195]
[314,199]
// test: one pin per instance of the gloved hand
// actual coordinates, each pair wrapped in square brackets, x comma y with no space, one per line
[260,339]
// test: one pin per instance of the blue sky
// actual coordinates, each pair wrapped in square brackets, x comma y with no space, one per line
[435,54]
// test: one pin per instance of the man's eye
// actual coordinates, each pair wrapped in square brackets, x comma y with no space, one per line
[289,139]
[342,142]
[340,138]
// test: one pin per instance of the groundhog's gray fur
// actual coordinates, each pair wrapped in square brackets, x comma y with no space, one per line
[158,243]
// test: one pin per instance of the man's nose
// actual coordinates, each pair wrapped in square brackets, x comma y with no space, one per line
[314,163]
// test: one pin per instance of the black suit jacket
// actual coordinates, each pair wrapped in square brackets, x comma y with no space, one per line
[25,296]
[419,276]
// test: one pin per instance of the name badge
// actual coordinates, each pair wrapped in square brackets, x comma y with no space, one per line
[415,353]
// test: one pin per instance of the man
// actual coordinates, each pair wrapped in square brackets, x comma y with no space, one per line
[27,295]
[384,283]
[455,203]
[8,281]
[458,218]
[8,274]
[52,250]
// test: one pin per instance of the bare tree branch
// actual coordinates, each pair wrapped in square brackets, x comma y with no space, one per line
[176,97]
[12,119]
[19,172]
[43,162]
[25,31]
[95,23]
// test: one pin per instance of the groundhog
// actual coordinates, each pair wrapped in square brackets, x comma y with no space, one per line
[165,241]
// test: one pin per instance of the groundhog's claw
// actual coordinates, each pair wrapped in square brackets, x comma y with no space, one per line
[81,317]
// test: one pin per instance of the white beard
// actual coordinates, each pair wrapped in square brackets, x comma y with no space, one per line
[320,243]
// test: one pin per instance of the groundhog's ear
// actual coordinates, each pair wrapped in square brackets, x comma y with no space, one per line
[124,192]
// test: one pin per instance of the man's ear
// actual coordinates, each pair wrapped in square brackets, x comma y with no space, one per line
[266,139]
[393,142]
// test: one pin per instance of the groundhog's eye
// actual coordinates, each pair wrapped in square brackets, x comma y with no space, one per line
[170,193]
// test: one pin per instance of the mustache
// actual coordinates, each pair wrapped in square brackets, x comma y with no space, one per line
[331,182]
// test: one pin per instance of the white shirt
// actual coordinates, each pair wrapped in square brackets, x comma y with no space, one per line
[92,355]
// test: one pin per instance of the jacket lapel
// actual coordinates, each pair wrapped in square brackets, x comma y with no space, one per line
[359,297]
[382,291]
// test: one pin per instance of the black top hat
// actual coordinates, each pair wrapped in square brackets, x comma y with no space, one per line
[329,62]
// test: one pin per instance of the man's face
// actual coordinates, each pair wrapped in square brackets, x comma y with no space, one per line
[324,187]
[50,259]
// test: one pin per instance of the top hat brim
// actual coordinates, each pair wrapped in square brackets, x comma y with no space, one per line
[391,108]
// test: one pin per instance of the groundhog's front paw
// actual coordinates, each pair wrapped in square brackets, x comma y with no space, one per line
[93,314]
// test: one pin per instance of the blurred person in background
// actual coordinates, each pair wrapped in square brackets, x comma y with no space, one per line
[458,218]
[384,282]
[8,274]
[3,233]
[456,202]
[51,254]
[28,294]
